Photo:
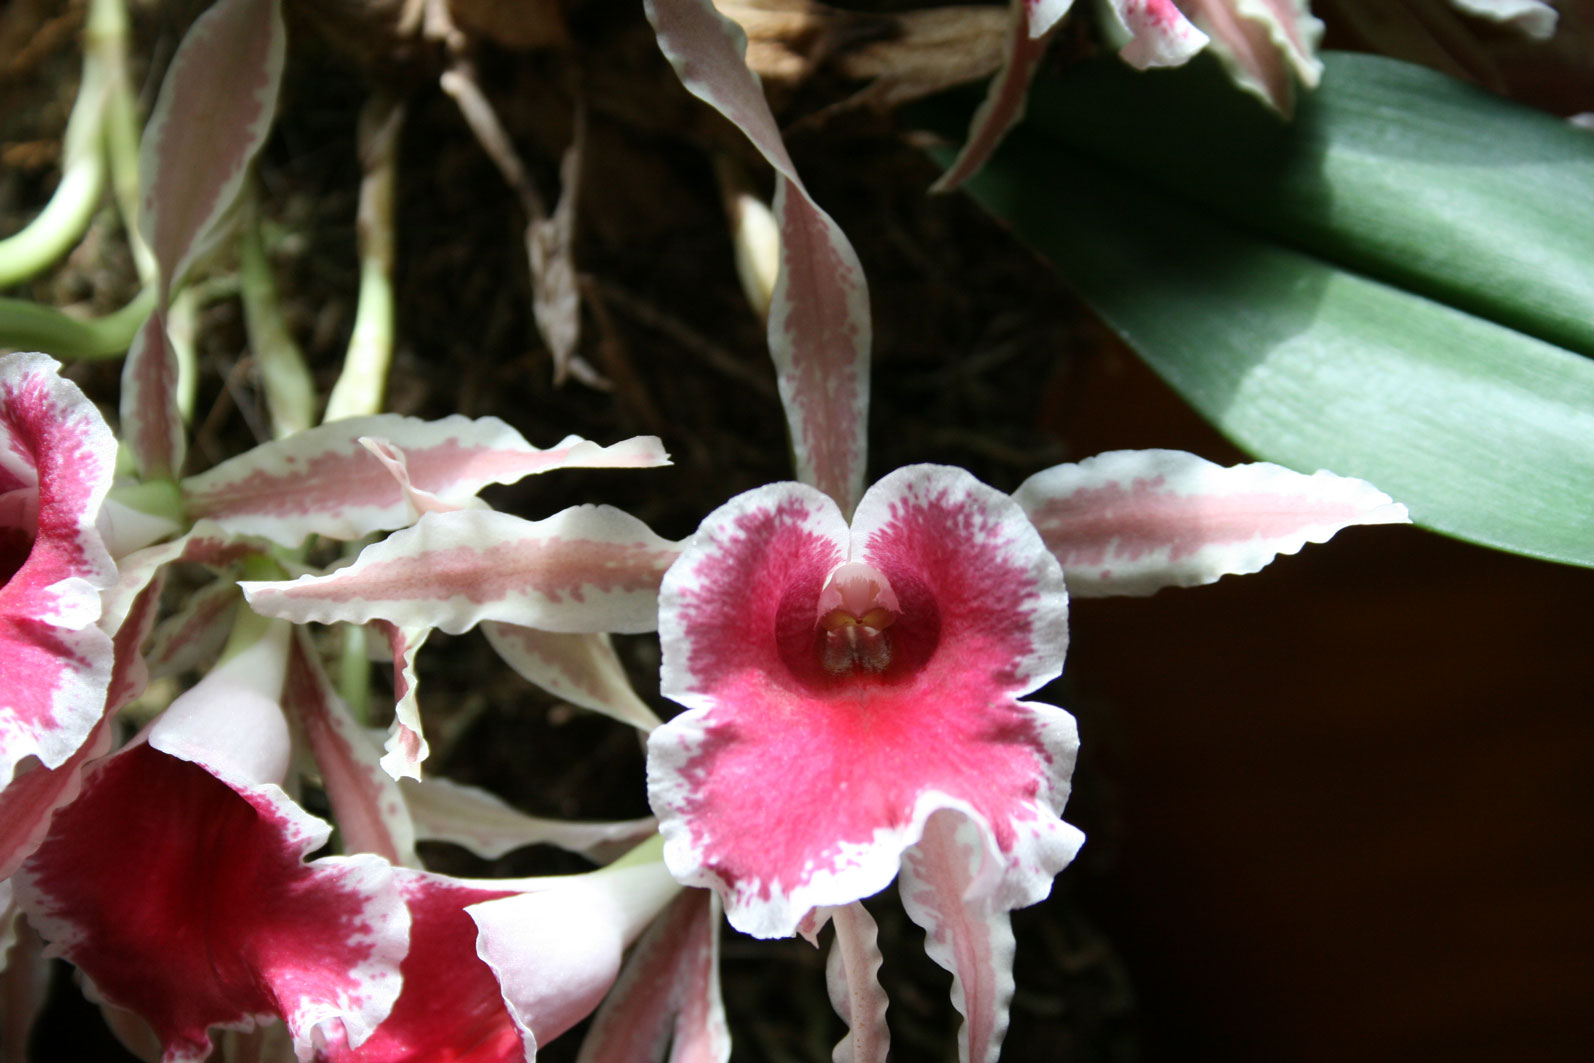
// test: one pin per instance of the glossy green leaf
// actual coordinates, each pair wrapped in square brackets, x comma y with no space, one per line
[1398,287]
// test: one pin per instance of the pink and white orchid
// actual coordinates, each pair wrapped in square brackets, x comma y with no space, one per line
[846,685]
[495,967]
[57,457]
[177,883]
[854,690]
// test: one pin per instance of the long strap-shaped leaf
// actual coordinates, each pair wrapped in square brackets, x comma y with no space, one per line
[1399,288]
[819,316]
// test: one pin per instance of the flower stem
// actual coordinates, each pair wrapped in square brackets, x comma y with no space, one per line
[30,326]
[63,220]
[360,387]
[290,392]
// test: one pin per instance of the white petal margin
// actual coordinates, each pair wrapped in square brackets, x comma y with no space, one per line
[328,481]
[852,976]
[588,568]
[1134,521]
[482,822]
[668,993]
[583,669]
[967,929]
[1527,17]
[1158,32]
[555,953]
[819,324]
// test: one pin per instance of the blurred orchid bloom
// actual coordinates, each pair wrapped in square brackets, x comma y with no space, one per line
[1267,46]
[57,458]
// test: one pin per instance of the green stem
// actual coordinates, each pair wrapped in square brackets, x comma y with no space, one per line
[360,386]
[648,852]
[290,391]
[29,326]
[354,674]
[107,34]
[158,498]
[63,220]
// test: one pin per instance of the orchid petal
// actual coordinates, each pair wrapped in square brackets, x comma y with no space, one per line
[406,742]
[204,544]
[29,803]
[481,822]
[966,932]
[152,422]
[852,977]
[1267,45]
[450,1007]
[1531,18]
[555,953]
[819,326]
[366,802]
[323,481]
[859,762]
[1159,34]
[57,457]
[176,881]
[211,117]
[583,669]
[1134,521]
[672,974]
[1042,15]
[194,635]
[1003,105]
[587,568]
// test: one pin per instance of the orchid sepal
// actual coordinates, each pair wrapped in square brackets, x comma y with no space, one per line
[587,568]
[1133,521]
[339,479]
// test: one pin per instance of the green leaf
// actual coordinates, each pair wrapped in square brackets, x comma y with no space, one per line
[1399,286]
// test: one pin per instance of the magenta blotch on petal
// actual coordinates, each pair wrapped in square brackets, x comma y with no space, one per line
[859,757]
[57,457]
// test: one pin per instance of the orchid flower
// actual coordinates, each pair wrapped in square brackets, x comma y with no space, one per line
[495,967]
[176,882]
[56,461]
[1266,45]
[864,682]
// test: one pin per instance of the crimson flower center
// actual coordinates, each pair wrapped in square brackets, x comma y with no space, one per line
[855,608]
